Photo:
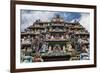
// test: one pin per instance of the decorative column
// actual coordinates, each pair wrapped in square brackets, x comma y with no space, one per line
[64,49]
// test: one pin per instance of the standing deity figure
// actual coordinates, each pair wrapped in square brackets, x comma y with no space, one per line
[44,47]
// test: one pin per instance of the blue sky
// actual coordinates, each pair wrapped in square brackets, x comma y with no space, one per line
[28,17]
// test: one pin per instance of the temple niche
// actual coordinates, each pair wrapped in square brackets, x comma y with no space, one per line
[56,40]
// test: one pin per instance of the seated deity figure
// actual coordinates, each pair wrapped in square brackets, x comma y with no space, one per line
[29,50]
[71,50]
[37,58]
[28,39]
[84,49]
[66,36]
[37,32]
[47,36]
[23,40]
[85,39]
[69,47]
[57,48]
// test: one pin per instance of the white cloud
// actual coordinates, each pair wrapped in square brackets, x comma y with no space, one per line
[29,18]
[85,21]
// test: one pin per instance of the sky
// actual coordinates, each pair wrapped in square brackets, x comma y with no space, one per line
[28,17]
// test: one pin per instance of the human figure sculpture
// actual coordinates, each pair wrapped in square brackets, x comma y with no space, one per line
[37,58]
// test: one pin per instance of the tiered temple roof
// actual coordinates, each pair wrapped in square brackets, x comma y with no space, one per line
[56,32]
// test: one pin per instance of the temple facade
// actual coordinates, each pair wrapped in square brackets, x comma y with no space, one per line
[56,40]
